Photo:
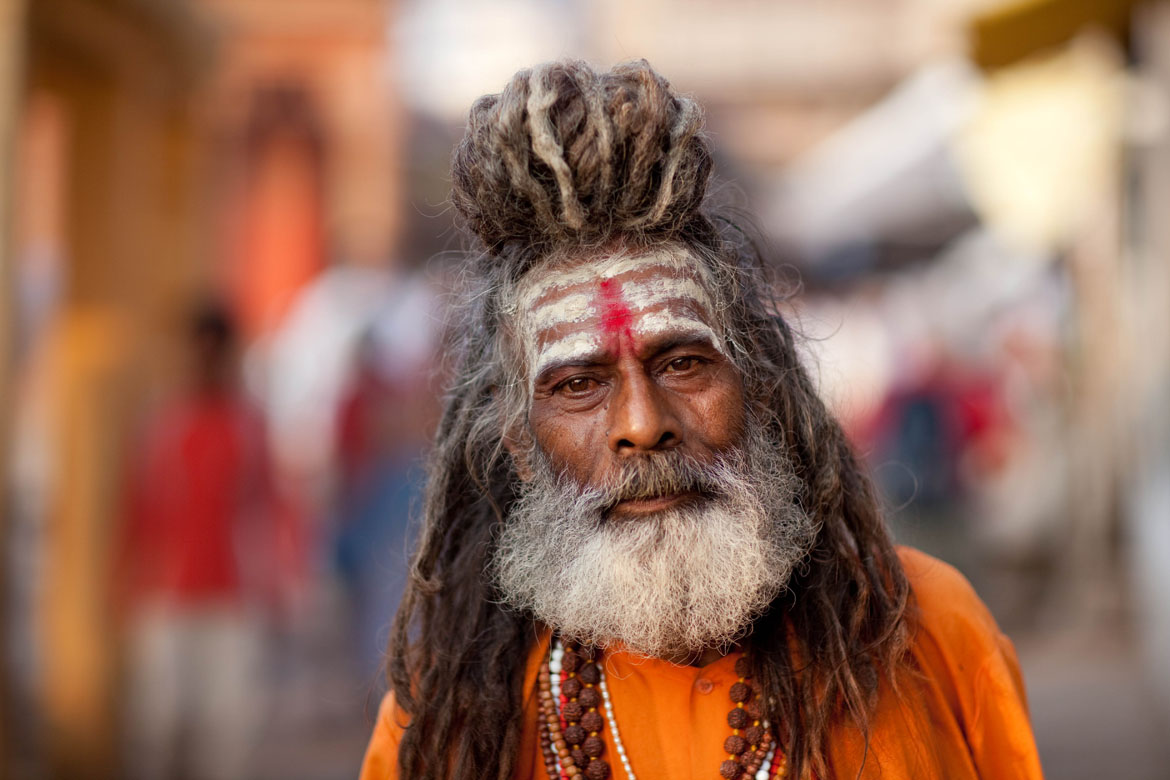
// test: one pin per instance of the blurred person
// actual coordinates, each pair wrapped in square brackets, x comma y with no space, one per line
[197,571]
[947,417]
[379,440]
[647,546]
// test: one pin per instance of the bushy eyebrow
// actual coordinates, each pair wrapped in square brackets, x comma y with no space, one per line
[575,350]
[591,361]
[666,324]
[693,338]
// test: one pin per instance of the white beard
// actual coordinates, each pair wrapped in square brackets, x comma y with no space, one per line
[668,585]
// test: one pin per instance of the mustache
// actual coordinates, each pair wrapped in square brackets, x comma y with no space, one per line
[660,474]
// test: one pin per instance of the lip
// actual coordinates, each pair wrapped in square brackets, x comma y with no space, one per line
[638,507]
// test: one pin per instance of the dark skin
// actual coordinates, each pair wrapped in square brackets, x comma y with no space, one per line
[640,393]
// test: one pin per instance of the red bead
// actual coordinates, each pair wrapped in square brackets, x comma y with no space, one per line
[753,709]
[731,770]
[754,734]
[571,688]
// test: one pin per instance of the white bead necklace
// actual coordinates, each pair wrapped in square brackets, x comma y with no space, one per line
[554,667]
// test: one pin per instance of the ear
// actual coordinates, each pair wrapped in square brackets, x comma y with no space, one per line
[519,445]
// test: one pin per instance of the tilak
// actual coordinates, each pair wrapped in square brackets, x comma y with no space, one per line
[617,319]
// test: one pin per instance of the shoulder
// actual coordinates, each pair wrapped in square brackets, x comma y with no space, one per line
[967,663]
[381,759]
[953,626]
[946,602]
[957,642]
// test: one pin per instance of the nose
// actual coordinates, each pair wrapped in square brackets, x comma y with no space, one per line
[641,418]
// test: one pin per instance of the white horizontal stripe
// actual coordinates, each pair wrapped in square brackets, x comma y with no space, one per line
[571,308]
[636,296]
[642,295]
[602,269]
[658,322]
[578,346]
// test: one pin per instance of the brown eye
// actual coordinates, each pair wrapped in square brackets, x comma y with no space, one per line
[578,384]
[681,364]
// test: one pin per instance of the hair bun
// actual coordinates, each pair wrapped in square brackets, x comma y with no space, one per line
[566,154]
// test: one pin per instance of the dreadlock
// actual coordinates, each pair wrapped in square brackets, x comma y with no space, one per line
[568,160]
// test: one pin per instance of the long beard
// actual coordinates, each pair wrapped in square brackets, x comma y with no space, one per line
[667,585]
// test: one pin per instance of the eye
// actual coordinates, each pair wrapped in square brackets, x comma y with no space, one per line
[681,364]
[577,385]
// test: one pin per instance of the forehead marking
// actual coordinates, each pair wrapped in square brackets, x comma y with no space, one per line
[590,272]
[612,303]
[666,321]
[571,308]
[616,315]
[579,345]
[618,322]
[638,295]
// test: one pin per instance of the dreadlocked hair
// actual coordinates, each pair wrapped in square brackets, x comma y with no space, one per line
[567,156]
[569,161]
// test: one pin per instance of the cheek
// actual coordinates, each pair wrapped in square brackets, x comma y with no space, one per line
[718,414]
[571,441]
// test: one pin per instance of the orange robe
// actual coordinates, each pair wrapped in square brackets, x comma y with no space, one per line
[964,717]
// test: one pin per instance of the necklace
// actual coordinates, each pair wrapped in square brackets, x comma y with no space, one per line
[573,692]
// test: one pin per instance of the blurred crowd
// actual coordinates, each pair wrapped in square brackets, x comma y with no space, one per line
[229,265]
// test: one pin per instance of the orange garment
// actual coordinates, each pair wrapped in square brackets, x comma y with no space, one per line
[964,717]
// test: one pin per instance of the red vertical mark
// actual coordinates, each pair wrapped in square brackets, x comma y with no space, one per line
[616,317]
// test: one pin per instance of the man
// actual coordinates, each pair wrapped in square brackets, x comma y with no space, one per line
[200,506]
[647,547]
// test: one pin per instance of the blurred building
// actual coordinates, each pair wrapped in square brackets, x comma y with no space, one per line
[304,129]
[159,150]
[105,244]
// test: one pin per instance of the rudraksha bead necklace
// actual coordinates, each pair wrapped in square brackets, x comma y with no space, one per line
[573,692]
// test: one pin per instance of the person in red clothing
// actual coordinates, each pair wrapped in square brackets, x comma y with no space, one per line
[195,570]
[647,547]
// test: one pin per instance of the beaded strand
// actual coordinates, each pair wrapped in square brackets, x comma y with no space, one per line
[570,739]
[613,729]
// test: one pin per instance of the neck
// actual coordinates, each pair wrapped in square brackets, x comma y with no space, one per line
[697,660]
[708,656]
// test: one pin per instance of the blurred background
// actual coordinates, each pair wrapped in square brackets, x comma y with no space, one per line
[226,256]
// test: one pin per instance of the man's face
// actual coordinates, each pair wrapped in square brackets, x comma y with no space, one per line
[624,363]
[650,514]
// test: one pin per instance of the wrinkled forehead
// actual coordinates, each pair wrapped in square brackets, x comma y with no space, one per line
[577,311]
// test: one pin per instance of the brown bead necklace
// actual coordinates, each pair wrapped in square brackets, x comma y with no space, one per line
[573,693]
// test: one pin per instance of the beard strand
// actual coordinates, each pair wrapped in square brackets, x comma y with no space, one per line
[670,584]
